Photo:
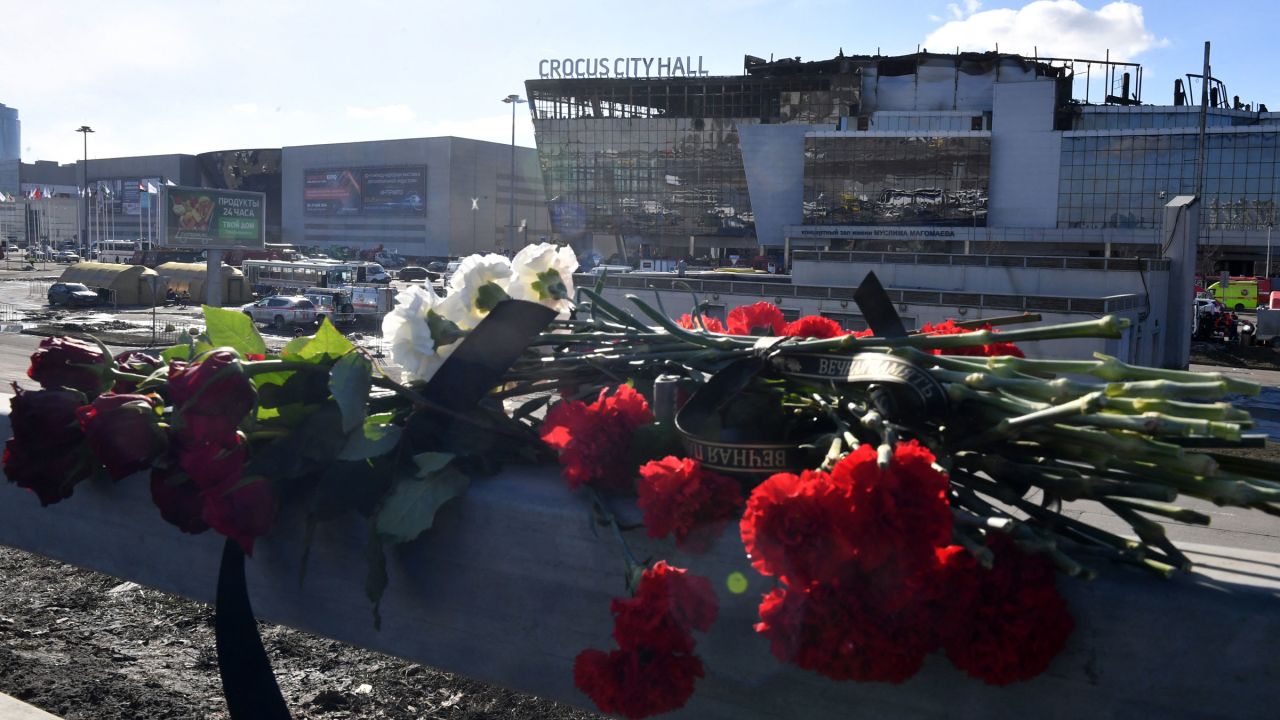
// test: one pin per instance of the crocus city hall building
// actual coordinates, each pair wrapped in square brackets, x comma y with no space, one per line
[934,152]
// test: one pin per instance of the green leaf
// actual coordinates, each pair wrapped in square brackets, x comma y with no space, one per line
[233,328]
[443,331]
[181,351]
[327,342]
[411,506]
[349,382]
[432,462]
[375,579]
[375,437]
[488,297]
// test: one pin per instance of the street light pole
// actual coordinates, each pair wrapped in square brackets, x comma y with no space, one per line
[1268,251]
[513,100]
[84,193]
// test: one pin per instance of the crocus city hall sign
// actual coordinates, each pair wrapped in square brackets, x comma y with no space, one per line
[623,67]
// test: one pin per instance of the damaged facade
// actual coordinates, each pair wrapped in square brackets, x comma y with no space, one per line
[984,151]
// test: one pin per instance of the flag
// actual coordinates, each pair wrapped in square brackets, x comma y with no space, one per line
[152,189]
[169,182]
[35,194]
[141,185]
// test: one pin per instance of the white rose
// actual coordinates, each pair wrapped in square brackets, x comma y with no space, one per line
[544,274]
[408,326]
[479,283]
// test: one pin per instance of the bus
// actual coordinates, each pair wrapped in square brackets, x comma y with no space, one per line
[268,277]
[118,251]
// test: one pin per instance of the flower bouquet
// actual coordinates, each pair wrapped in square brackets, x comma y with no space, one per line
[903,490]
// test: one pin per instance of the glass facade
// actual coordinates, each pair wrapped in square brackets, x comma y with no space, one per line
[659,176]
[258,170]
[1124,180]
[898,180]
[659,160]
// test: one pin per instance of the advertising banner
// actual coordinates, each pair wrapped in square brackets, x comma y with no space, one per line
[365,191]
[208,219]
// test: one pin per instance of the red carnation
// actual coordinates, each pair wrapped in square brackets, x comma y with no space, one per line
[840,633]
[634,683]
[63,362]
[653,670]
[679,497]
[761,318]
[794,527]
[667,607]
[711,324]
[814,326]
[1017,623]
[900,513]
[949,327]
[594,440]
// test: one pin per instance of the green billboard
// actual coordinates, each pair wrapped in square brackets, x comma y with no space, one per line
[208,219]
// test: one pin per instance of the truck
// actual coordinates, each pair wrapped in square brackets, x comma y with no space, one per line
[1242,293]
[1267,327]
[351,304]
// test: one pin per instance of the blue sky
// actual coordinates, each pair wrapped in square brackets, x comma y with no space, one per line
[185,77]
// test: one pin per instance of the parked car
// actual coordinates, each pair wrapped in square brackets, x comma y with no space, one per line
[72,295]
[281,310]
[413,272]
[66,256]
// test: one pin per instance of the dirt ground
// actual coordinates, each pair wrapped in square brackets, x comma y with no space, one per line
[86,646]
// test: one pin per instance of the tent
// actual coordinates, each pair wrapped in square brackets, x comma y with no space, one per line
[128,284]
[191,278]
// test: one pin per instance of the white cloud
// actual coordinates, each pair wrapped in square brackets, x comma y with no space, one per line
[385,113]
[1049,28]
[246,108]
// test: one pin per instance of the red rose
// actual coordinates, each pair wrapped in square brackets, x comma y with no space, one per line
[949,327]
[178,499]
[679,497]
[794,527]
[1017,622]
[814,326]
[242,510]
[43,420]
[760,318]
[839,633]
[594,440]
[634,683]
[711,324]
[900,514]
[211,396]
[667,607]
[212,464]
[136,362]
[46,454]
[123,432]
[63,362]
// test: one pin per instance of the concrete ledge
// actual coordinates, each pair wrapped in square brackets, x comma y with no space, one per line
[11,709]
[512,584]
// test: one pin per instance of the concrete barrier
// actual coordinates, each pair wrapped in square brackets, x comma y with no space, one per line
[512,583]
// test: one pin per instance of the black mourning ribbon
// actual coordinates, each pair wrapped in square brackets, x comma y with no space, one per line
[248,682]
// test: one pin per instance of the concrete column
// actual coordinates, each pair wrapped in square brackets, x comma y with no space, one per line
[213,279]
[1180,236]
